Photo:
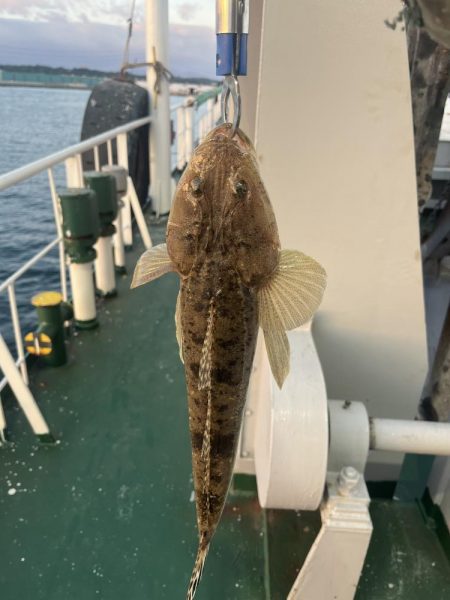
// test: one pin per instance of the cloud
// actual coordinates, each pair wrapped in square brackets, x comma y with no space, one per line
[109,12]
[99,46]
[187,11]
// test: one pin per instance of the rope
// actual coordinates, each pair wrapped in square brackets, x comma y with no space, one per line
[160,70]
[126,52]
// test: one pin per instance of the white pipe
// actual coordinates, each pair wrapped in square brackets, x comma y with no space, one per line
[27,171]
[17,332]
[157,42]
[104,266]
[21,391]
[83,292]
[419,437]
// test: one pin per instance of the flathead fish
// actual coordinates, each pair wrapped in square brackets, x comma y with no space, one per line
[222,240]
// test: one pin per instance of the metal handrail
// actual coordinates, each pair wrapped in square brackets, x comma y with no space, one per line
[31,169]
[191,128]
[72,156]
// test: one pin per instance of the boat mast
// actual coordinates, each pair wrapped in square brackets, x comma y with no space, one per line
[157,51]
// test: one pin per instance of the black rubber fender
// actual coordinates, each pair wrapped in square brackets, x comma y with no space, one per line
[112,103]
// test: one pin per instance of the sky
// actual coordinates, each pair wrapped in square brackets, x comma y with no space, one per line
[91,33]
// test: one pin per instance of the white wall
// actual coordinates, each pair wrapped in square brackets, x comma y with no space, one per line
[335,141]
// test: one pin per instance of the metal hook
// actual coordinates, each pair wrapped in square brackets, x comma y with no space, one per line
[231,88]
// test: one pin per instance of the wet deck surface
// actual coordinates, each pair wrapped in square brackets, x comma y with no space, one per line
[108,512]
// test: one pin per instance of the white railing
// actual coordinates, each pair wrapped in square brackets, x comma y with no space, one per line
[71,157]
[193,121]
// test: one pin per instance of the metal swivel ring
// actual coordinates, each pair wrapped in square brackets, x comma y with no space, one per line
[231,88]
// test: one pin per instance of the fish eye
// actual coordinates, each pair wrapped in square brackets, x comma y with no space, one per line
[240,188]
[197,186]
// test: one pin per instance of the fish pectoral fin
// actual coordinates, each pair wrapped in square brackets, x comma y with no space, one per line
[288,300]
[178,329]
[152,264]
[278,351]
[293,293]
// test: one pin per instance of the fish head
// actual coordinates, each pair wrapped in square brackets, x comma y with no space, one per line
[221,205]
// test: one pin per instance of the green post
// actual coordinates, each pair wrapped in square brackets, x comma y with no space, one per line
[49,339]
[104,186]
[81,228]
[81,223]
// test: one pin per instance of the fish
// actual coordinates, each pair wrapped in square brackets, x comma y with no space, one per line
[222,239]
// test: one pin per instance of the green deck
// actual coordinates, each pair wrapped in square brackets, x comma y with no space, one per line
[108,512]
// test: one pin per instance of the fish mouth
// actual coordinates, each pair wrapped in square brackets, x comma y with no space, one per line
[223,133]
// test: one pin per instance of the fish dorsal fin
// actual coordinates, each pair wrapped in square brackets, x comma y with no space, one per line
[204,375]
[288,300]
[152,264]
[178,328]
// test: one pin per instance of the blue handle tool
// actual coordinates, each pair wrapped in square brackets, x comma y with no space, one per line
[232,34]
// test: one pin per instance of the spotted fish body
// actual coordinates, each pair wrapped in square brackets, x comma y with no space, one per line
[222,240]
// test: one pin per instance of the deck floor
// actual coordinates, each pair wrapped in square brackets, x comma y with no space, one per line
[108,512]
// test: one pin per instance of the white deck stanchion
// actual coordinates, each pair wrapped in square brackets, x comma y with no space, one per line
[157,38]
[122,158]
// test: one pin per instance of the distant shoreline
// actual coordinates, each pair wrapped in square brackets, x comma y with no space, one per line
[32,84]
[62,86]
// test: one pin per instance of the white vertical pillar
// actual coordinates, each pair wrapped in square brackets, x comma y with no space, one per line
[58,222]
[74,173]
[120,174]
[181,138]
[105,278]
[210,113]
[119,250]
[83,294]
[122,159]
[157,35]
[189,128]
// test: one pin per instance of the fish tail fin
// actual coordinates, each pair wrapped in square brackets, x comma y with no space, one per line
[198,569]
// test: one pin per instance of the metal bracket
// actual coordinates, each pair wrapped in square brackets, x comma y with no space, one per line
[333,566]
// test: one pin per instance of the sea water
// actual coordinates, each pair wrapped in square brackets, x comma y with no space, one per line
[34,122]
